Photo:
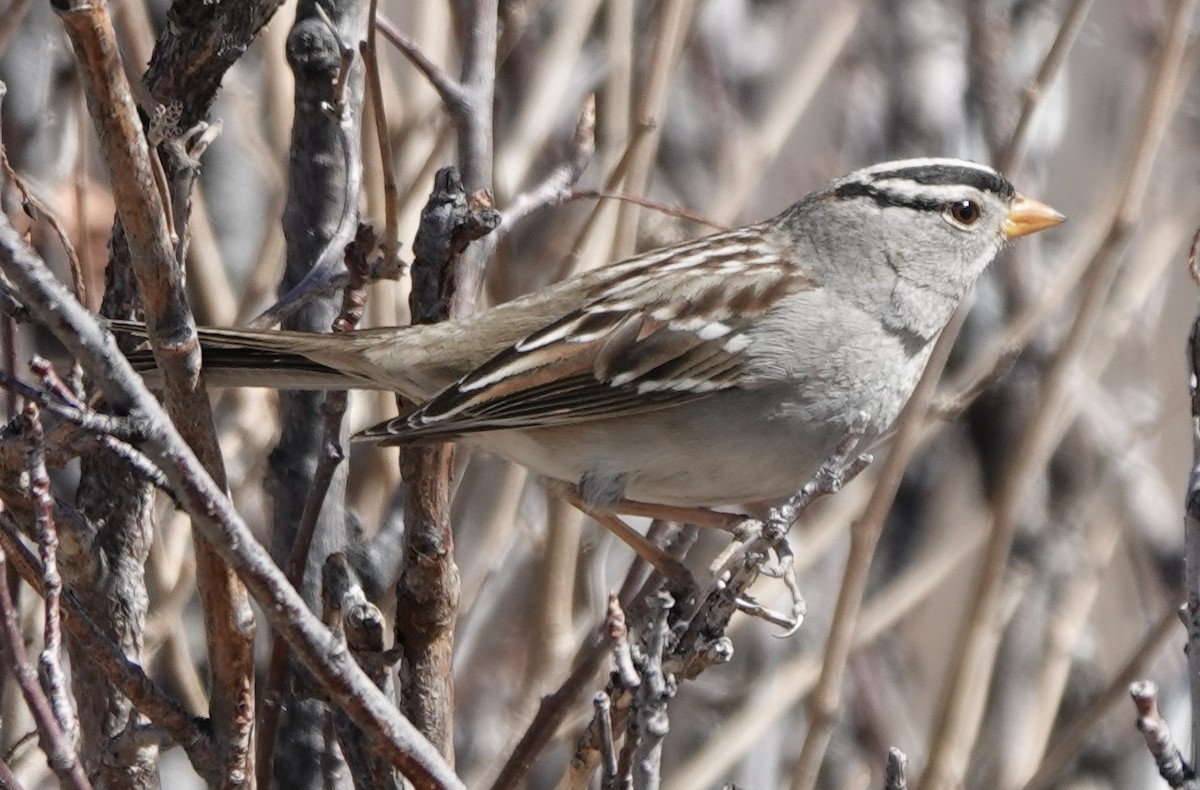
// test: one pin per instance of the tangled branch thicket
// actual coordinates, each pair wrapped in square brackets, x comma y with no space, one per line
[979,599]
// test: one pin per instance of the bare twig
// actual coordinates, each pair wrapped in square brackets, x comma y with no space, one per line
[657,205]
[60,754]
[348,612]
[555,706]
[757,147]
[674,20]
[545,92]
[50,660]
[1075,734]
[789,683]
[1171,765]
[864,537]
[1191,516]
[327,269]
[37,209]
[7,778]
[480,25]
[650,700]
[13,15]
[618,632]
[325,173]
[453,94]
[1036,90]
[147,230]
[333,410]
[150,700]
[608,752]
[216,520]
[390,246]
[115,434]
[896,774]
[954,733]
[555,187]
[427,594]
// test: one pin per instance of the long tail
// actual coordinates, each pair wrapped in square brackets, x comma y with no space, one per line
[276,359]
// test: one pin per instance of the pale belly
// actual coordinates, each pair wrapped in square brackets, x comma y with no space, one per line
[746,452]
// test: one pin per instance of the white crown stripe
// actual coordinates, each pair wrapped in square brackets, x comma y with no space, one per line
[910,190]
[932,161]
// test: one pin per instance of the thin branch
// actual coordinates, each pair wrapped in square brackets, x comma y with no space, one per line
[390,246]
[674,20]
[11,22]
[60,754]
[777,693]
[864,537]
[651,698]
[328,268]
[36,209]
[757,147]
[608,753]
[1037,89]
[347,610]
[1073,737]
[1191,515]
[679,212]
[896,775]
[480,25]
[427,593]
[129,677]
[554,188]
[8,779]
[1167,756]
[146,226]
[100,424]
[333,410]
[555,707]
[215,519]
[21,743]
[452,92]
[50,660]
[954,732]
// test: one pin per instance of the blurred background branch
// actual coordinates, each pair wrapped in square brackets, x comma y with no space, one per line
[1030,561]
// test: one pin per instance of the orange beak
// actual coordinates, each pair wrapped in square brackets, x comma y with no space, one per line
[1029,216]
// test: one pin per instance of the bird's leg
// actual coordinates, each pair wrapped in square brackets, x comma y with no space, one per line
[839,468]
[695,516]
[675,571]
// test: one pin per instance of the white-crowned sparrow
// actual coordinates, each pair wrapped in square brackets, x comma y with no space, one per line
[721,371]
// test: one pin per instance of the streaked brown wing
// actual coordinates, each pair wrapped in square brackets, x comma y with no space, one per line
[662,329]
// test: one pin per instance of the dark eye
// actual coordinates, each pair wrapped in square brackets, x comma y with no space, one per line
[964,212]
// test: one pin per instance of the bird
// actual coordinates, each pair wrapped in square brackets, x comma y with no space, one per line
[713,374]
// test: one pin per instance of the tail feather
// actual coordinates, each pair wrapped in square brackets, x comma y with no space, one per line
[245,358]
